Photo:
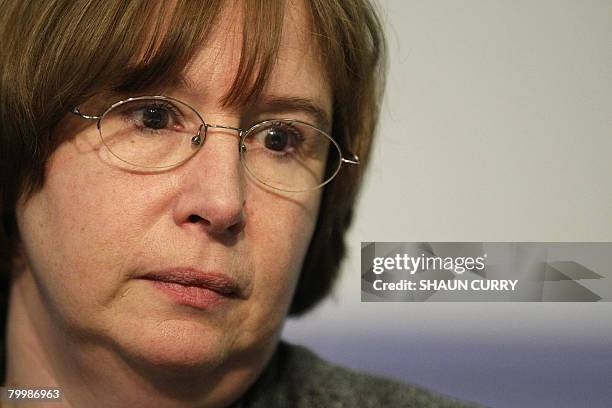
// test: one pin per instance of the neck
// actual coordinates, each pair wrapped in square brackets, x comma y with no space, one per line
[93,374]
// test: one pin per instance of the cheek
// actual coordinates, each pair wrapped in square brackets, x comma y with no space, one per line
[280,232]
[77,231]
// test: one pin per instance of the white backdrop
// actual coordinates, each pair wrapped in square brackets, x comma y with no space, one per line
[497,126]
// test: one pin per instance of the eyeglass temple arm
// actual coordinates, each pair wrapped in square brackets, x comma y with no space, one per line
[77,112]
[352,159]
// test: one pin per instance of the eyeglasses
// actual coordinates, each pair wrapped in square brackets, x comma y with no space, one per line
[157,132]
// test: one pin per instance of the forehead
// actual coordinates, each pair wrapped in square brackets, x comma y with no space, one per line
[218,67]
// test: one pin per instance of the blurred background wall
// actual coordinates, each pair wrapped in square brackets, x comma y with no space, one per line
[496,126]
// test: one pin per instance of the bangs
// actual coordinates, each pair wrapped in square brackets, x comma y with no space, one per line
[180,30]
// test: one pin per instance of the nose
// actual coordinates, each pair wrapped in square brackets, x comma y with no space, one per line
[211,186]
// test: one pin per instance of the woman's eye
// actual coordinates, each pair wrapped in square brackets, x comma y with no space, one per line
[155,117]
[276,139]
[151,115]
[281,138]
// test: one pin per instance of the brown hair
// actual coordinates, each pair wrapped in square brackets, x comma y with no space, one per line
[55,54]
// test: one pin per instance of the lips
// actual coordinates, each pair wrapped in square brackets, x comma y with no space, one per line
[196,279]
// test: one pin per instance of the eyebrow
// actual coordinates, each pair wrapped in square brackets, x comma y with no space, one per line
[273,104]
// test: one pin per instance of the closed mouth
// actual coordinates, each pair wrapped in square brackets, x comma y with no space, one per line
[213,281]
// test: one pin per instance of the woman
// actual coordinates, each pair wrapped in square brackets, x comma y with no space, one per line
[177,178]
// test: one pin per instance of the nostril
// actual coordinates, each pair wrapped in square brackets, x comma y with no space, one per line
[237,227]
[195,219]
[234,226]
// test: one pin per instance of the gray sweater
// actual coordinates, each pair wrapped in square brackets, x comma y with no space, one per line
[295,377]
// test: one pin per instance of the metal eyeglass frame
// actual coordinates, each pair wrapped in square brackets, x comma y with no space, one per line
[198,139]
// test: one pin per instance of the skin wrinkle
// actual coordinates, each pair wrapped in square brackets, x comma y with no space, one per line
[125,292]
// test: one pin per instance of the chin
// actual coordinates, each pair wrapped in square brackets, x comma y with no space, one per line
[175,344]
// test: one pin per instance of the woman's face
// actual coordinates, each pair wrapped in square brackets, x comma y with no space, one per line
[98,239]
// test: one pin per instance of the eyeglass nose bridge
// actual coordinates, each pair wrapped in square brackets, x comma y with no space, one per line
[198,139]
[215,126]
